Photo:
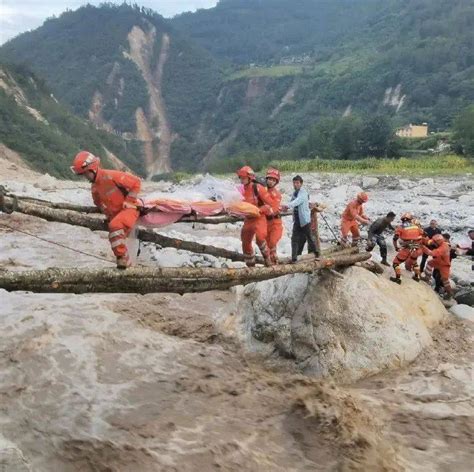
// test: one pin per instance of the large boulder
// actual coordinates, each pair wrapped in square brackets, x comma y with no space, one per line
[370,182]
[348,327]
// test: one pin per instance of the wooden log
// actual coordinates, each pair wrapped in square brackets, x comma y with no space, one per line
[140,280]
[57,205]
[98,223]
[372,266]
[315,229]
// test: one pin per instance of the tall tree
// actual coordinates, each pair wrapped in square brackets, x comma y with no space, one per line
[464,130]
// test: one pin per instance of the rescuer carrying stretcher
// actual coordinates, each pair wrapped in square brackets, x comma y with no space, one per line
[274,222]
[255,227]
[115,193]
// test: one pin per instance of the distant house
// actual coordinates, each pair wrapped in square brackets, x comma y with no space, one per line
[413,131]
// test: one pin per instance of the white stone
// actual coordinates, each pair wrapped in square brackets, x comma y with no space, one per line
[369,182]
[463,311]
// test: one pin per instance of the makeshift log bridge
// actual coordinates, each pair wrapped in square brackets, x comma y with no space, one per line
[144,280]
[96,222]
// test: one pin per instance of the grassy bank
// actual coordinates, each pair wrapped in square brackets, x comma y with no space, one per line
[274,71]
[422,165]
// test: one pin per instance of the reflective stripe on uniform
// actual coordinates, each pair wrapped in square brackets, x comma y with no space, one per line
[132,195]
[114,234]
[119,242]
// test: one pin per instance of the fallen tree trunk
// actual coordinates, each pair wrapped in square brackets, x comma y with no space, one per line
[57,205]
[139,280]
[98,223]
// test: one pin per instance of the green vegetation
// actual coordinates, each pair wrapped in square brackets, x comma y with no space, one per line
[256,79]
[275,71]
[87,43]
[424,165]
[353,52]
[464,131]
[249,31]
[50,146]
[90,55]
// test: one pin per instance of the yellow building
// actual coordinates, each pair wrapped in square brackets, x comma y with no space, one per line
[413,131]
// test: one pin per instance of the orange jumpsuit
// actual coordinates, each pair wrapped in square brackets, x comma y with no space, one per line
[274,224]
[115,194]
[441,260]
[256,227]
[349,224]
[411,238]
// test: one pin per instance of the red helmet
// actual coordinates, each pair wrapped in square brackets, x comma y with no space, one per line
[273,174]
[362,197]
[438,239]
[85,161]
[246,171]
[407,216]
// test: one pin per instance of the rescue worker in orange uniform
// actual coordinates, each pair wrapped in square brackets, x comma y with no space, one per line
[115,193]
[440,260]
[274,222]
[255,227]
[411,237]
[353,216]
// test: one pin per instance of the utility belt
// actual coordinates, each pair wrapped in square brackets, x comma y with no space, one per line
[411,244]
[273,217]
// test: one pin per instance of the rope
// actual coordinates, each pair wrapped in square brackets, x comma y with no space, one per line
[56,244]
[330,229]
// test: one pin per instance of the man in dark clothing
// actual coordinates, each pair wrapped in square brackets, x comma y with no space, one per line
[301,221]
[376,236]
[430,231]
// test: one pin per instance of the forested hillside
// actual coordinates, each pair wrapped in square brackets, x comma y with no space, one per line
[46,135]
[105,64]
[415,55]
[256,75]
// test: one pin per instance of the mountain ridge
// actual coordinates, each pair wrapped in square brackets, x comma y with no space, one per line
[411,61]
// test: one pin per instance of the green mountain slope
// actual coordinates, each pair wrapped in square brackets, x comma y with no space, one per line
[416,55]
[46,134]
[126,70]
[253,74]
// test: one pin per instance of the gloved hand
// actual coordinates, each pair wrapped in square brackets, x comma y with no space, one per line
[266,210]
